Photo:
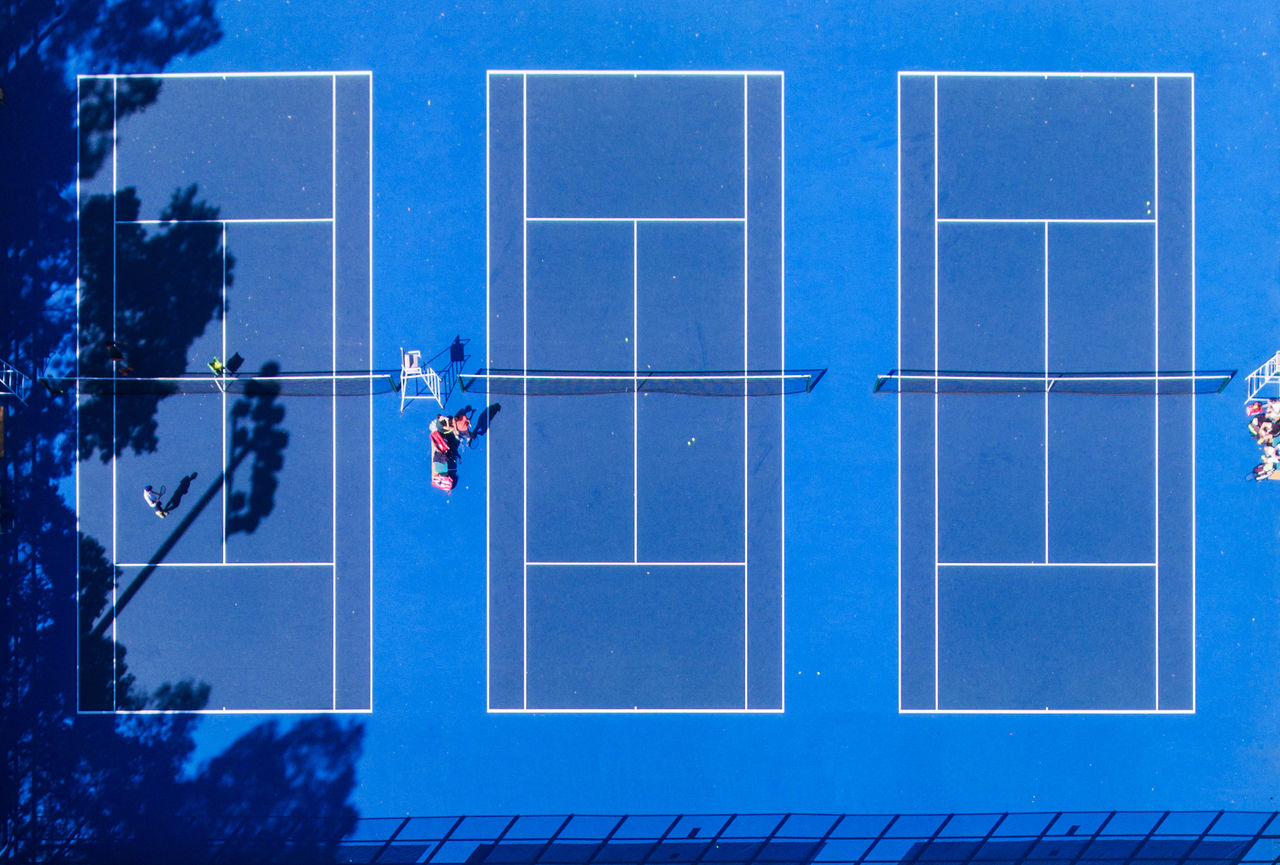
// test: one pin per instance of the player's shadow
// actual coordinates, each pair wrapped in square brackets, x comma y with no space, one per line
[184,487]
[484,419]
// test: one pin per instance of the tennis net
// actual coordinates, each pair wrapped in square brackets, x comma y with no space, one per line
[322,384]
[544,382]
[1165,383]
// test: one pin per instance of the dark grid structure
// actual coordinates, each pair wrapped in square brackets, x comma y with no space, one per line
[1044,838]
[1051,838]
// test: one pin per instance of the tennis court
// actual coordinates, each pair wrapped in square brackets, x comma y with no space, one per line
[635,552]
[1047,540]
[255,225]
[668,580]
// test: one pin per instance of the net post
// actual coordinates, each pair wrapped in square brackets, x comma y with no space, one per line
[222,372]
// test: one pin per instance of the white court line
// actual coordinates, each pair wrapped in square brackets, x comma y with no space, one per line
[372,355]
[782,337]
[79,97]
[223,564]
[333,364]
[296,74]
[1061,220]
[636,711]
[746,365]
[267,220]
[1155,210]
[235,712]
[712,219]
[524,408]
[226,478]
[937,518]
[115,509]
[488,361]
[635,73]
[1046,392]
[898,406]
[1193,414]
[635,394]
[1046,564]
[960,74]
[636,564]
[1047,712]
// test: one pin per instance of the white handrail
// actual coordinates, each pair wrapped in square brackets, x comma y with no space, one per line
[1262,376]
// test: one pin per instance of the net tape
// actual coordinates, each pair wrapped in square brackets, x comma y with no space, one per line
[491,381]
[589,383]
[322,384]
[1167,383]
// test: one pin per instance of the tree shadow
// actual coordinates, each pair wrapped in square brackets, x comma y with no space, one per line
[151,290]
[102,787]
[265,443]
[256,432]
[239,787]
[103,103]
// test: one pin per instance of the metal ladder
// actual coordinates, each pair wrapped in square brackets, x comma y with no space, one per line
[13,382]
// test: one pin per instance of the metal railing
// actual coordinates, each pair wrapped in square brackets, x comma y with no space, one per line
[1072,838]
[1262,376]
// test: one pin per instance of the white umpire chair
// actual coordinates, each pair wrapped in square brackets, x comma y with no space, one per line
[1263,382]
[425,380]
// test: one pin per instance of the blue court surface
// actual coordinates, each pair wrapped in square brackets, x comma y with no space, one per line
[1047,539]
[938,598]
[257,580]
[635,539]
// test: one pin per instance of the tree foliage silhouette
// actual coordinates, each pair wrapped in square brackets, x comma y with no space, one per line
[156,291]
[89,787]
